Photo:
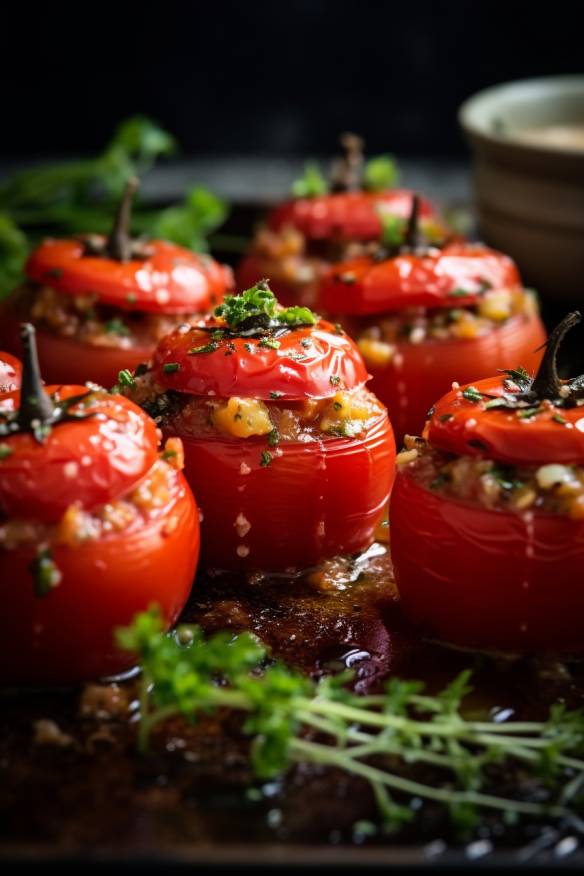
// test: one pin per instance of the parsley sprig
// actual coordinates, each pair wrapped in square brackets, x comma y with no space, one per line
[383,738]
[257,309]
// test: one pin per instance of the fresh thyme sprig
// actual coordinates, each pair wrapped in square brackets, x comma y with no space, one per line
[385,739]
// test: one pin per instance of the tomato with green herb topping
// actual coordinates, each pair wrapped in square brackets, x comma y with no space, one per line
[487,513]
[95,525]
[100,303]
[273,499]
[425,315]
[325,220]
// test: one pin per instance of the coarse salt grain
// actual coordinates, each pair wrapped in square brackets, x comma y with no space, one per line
[242,525]
[242,550]
[244,468]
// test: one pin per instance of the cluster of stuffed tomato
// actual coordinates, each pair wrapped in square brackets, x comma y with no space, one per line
[423,305]
[101,304]
[487,513]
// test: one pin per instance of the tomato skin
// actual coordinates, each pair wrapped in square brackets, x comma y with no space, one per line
[241,366]
[171,280]
[487,579]
[345,215]
[314,501]
[10,372]
[67,636]
[420,373]
[500,434]
[88,462]
[412,280]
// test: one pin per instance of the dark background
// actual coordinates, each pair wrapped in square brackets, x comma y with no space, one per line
[263,77]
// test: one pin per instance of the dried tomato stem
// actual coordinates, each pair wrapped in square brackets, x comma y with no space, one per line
[119,242]
[546,383]
[348,171]
[412,236]
[35,404]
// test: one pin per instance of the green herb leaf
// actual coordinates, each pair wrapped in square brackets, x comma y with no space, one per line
[116,326]
[380,173]
[126,378]
[311,184]
[472,394]
[265,458]
[45,573]
[170,367]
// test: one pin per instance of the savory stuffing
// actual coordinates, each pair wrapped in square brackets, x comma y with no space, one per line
[82,318]
[148,500]
[552,488]
[347,414]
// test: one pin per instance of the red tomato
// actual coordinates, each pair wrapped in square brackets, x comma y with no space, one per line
[345,215]
[66,359]
[487,579]
[310,362]
[312,502]
[418,374]
[437,278]
[67,579]
[9,372]
[67,635]
[88,461]
[463,426]
[171,280]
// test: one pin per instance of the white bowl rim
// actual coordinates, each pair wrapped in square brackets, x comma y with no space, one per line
[572,84]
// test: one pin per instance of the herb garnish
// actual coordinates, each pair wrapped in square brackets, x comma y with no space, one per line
[117,327]
[256,311]
[171,367]
[45,573]
[472,394]
[5,451]
[265,458]
[379,737]
[204,348]
[126,378]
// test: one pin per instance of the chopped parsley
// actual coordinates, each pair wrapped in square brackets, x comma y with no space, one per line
[259,305]
[445,417]
[556,417]
[472,394]
[273,438]
[117,327]
[45,573]
[205,348]
[126,378]
[334,380]
[170,367]
[312,183]
[271,343]
[265,458]
[276,394]
[380,173]
[5,451]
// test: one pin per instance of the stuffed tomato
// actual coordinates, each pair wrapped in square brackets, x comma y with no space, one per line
[9,372]
[100,304]
[422,314]
[291,457]
[487,514]
[95,525]
[326,220]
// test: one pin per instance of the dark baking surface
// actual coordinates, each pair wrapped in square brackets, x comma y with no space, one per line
[94,800]
[94,803]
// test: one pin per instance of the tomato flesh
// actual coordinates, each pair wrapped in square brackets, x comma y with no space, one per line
[313,501]
[487,579]
[67,635]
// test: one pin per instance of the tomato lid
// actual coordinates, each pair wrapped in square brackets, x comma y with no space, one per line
[346,215]
[513,417]
[10,370]
[67,445]
[454,275]
[253,348]
[152,276]
[362,195]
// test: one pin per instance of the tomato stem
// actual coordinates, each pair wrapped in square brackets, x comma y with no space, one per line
[35,404]
[347,174]
[119,242]
[412,236]
[546,383]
